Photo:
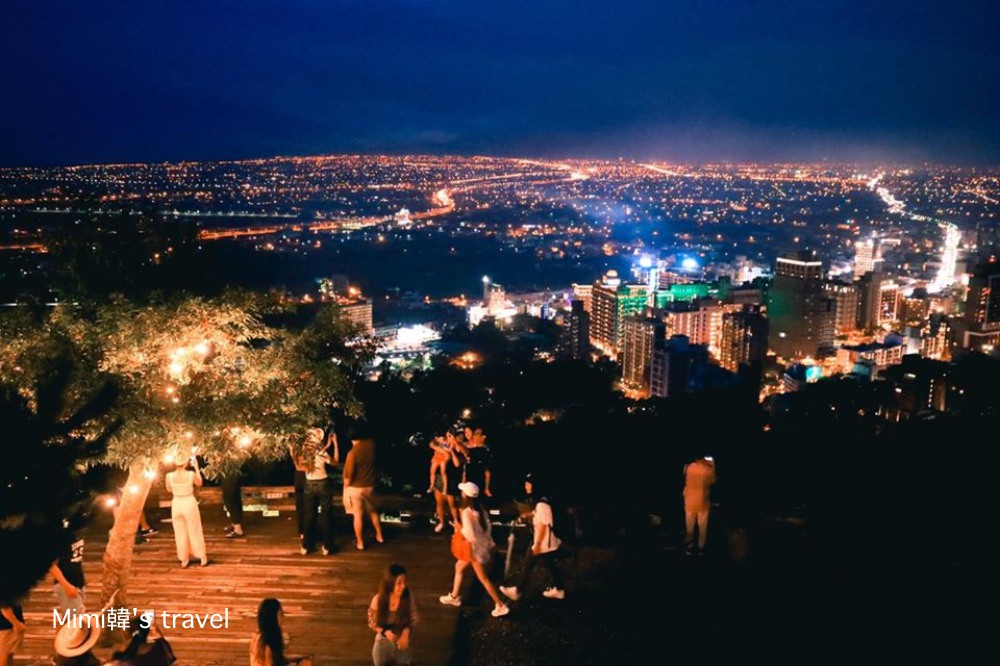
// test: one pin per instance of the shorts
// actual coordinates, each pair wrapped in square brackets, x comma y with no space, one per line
[358,501]
[11,641]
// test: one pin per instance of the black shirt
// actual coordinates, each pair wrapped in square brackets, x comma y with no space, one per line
[480,460]
[71,564]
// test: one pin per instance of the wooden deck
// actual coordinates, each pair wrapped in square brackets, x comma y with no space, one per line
[324,598]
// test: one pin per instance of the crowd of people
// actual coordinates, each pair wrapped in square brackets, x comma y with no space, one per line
[460,477]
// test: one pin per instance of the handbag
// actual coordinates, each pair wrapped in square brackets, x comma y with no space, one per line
[460,548]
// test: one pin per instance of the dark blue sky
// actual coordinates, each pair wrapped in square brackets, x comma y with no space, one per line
[101,81]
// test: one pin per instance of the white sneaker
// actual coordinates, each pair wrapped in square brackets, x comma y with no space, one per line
[449,600]
[324,550]
[500,611]
[554,593]
[510,592]
[303,551]
[439,527]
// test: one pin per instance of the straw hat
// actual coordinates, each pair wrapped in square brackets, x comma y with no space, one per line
[73,641]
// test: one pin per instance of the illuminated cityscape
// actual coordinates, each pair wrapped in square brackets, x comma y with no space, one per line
[450,333]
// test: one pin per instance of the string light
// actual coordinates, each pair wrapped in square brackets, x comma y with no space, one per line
[149,474]
[168,458]
[134,489]
[110,502]
[245,441]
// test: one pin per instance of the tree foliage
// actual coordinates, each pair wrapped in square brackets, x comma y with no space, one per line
[50,437]
[234,374]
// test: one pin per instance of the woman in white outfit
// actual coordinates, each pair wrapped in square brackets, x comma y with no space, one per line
[184,513]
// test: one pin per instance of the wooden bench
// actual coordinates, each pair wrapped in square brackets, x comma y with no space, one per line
[268,500]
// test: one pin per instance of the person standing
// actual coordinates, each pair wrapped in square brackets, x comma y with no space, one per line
[447,494]
[301,467]
[545,547]
[480,460]
[184,513]
[699,476]
[473,546]
[318,498]
[11,631]
[70,583]
[232,501]
[391,614]
[359,488]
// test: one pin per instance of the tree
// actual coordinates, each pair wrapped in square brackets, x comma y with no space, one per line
[221,376]
[44,498]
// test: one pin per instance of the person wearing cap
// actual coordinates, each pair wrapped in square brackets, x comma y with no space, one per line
[184,513]
[318,500]
[75,641]
[544,547]
[699,476]
[476,552]
[12,629]
[359,487]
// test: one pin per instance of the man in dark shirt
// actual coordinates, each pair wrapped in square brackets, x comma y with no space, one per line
[67,573]
[480,460]
[359,487]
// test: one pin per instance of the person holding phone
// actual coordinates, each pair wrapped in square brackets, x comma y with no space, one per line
[184,513]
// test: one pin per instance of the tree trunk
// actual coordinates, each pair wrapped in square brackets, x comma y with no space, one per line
[121,542]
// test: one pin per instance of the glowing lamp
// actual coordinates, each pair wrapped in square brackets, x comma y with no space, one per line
[134,489]
[110,502]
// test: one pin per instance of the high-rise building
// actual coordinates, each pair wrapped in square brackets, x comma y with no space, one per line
[801,316]
[700,321]
[888,302]
[918,385]
[585,294]
[612,303]
[576,333]
[982,307]
[357,312]
[641,337]
[496,299]
[845,297]
[873,304]
[743,339]
[867,256]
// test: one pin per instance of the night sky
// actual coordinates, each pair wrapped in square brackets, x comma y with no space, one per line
[858,80]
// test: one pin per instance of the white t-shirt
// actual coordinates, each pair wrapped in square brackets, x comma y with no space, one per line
[543,516]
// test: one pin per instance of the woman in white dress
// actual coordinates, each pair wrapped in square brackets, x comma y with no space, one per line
[184,512]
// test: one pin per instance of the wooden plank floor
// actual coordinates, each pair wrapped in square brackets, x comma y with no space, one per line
[324,598]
